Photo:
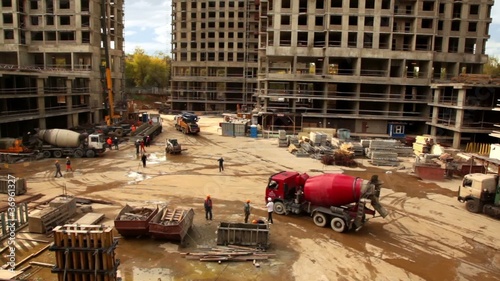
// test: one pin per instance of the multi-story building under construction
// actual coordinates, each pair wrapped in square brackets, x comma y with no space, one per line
[364,65]
[51,58]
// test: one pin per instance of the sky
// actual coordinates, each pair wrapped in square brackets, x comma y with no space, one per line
[147,25]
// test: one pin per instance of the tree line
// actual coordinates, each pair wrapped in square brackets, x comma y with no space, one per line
[146,71]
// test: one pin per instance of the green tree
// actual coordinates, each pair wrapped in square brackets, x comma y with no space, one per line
[492,67]
[143,70]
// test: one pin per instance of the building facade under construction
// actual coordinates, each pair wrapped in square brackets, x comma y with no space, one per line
[51,58]
[366,66]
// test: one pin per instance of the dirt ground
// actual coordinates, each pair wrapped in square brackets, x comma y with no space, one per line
[427,236]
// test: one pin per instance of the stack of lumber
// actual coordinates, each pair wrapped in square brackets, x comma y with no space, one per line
[423,144]
[137,214]
[228,253]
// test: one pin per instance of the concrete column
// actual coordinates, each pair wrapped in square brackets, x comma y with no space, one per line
[437,95]
[41,103]
[461,97]
[69,101]
[457,136]
[435,114]
[433,131]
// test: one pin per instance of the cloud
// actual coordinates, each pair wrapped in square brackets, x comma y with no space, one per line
[147,25]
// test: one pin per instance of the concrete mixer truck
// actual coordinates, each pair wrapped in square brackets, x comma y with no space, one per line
[335,199]
[51,143]
[60,142]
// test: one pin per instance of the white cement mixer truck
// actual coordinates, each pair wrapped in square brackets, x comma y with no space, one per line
[60,142]
[51,143]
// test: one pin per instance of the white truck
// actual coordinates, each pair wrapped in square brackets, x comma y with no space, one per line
[481,193]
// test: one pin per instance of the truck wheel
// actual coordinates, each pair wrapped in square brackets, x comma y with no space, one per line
[46,154]
[78,153]
[90,154]
[319,219]
[57,153]
[338,225]
[474,206]
[279,208]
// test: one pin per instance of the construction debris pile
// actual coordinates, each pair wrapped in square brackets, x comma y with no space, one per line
[476,79]
[229,253]
[137,214]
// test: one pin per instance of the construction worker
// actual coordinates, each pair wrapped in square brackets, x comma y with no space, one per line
[246,210]
[221,164]
[58,169]
[133,128]
[143,159]
[208,208]
[68,165]
[137,145]
[258,222]
[270,210]
[115,142]
[143,150]
[109,141]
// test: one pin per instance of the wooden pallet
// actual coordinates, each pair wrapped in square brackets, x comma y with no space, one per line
[85,252]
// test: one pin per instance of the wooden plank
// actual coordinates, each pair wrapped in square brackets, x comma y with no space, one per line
[74,256]
[90,255]
[31,239]
[42,264]
[165,211]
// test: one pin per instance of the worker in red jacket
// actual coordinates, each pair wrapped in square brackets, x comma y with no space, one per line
[208,208]
[109,141]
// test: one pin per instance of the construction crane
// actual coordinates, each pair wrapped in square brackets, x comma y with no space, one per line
[105,69]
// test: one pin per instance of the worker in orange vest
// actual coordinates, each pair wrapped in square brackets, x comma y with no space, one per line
[133,128]
[109,141]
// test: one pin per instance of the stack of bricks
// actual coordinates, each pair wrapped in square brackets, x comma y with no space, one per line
[85,252]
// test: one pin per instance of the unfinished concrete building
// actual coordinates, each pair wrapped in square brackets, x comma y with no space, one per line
[462,112]
[214,54]
[364,65]
[50,62]
[496,130]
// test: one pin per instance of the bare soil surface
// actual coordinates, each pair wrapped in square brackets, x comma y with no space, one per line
[427,236]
